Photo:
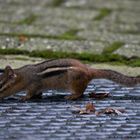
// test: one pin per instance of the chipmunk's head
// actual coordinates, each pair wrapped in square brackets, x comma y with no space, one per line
[7,79]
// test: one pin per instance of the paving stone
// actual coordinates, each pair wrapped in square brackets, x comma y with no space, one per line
[129,50]
[51,44]
[126,4]
[71,18]
[115,27]
[127,17]
[109,36]
[33,30]
[121,24]
[66,46]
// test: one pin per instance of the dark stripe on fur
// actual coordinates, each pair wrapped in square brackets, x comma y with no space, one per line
[53,73]
[49,60]
[57,66]
[54,63]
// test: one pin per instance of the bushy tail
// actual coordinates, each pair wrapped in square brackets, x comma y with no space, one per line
[114,76]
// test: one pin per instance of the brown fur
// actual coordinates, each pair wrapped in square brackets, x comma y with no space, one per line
[67,74]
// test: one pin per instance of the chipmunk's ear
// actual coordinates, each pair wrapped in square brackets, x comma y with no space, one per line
[9,72]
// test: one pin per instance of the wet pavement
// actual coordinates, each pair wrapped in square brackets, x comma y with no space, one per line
[52,118]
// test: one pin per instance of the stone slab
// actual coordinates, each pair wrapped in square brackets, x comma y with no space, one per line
[104,35]
[52,44]
[119,4]
[129,50]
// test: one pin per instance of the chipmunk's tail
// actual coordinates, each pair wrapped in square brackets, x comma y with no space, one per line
[114,76]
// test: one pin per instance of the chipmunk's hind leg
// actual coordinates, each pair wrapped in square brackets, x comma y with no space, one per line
[78,84]
[75,95]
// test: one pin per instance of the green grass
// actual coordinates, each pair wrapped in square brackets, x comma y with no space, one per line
[103,13]
[13,51]
[134,32]
[113,47]
[57,3]
[28,20]
[134,62]
[110,58]
[71,35]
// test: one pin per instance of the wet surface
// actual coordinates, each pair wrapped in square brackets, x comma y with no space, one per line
[52,117]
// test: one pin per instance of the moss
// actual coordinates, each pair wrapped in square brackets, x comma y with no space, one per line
[70,35]
[28,20]
[111,58]
[57,3]
[131,32]
[113,47]
[134,62]
[13,51]
[103,13]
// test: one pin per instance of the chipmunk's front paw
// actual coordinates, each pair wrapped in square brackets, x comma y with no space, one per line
[24,98]
[71,97]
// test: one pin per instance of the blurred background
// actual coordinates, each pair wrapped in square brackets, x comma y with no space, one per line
[91,30]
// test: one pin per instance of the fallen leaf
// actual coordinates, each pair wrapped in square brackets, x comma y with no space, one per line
[110,111]
[98,95]
[83,112]
[23,38]
[89,108]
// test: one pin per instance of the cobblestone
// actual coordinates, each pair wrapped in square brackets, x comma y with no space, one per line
[125,5]
[129,50]
[30,29]
[52,44]
[45,19]
[110,37]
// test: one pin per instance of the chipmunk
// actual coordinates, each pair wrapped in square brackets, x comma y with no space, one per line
[67,74]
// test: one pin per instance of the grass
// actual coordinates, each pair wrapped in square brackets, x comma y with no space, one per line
[57,3]
[13,51]
[71,35]
[134,62]
[103,13]
[134,32]
[28,20]
[110,58]
[113,47]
